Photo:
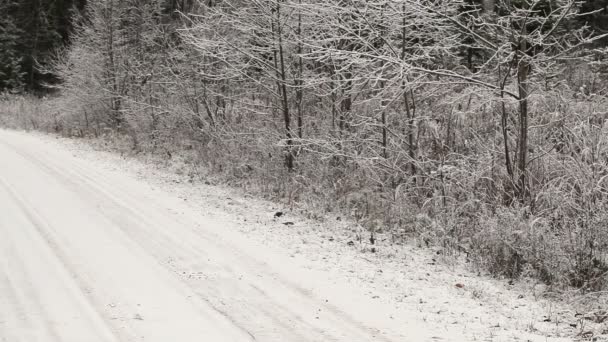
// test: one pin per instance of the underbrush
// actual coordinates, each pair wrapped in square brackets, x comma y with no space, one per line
[462,202]
[22,112]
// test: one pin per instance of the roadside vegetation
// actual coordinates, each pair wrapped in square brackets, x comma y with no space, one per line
[479,127]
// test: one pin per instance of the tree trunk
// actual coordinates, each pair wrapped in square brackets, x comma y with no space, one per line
[522,82]
[111,66]
[299,81]
[409,110]
[504,126]
[347,101]
[289,158]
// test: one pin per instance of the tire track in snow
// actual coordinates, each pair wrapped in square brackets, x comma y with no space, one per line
[123,281]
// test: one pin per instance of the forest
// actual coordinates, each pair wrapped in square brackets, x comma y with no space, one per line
[476,126]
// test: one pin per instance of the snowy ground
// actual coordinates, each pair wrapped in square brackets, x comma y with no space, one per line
[101,247]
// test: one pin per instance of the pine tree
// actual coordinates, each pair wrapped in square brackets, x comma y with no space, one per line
[31,31]
[595,16]
[11,75]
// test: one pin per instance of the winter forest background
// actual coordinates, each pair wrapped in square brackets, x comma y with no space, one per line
[478,126]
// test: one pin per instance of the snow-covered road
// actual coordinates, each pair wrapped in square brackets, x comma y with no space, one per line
[90,255]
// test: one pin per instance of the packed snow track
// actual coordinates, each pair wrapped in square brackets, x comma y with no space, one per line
[89,255]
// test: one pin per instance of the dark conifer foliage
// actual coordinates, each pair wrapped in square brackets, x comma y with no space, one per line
[596,17]
[31,31]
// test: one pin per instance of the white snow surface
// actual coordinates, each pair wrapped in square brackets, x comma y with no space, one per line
[98,247]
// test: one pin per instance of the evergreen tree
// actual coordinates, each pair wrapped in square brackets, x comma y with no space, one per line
[595,16]
[31,31]
[11,75]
